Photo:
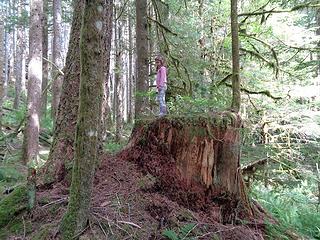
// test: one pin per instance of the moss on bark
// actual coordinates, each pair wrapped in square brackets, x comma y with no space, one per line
[13,204]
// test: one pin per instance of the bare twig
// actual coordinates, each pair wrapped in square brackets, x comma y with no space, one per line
[53,64]
[189,231]
[56,202]
[24,228]
[105,218]
[130,223]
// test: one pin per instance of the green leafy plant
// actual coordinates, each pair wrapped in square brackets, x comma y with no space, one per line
[183,233]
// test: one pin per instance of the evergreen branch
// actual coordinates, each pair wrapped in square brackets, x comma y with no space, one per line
[162,26]
[224,79]
[265,92]
[298,7]
[314,49]
[269,63]
[274,54]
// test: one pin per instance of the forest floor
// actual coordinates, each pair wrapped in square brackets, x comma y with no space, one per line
[126,206]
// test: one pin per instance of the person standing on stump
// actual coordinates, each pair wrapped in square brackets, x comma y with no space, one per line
[161,84]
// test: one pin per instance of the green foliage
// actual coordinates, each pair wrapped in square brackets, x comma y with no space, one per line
[113,147]
[188,106]
[10,174]
[184,232]
[295,209]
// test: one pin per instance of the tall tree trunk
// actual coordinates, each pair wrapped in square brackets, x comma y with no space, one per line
[6,43]
[57,50]
[106,109]
[31,134]
[44,98]
[19,57]
[236,96]
[6,67]
[62,152]
[13,43]
[92,45]
[142,58]
[2,63]
[118,83]
[318,34]
[130,79]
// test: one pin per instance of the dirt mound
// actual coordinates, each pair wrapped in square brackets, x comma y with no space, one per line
[129,203]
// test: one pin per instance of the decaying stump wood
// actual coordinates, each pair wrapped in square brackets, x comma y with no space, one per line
[196,162]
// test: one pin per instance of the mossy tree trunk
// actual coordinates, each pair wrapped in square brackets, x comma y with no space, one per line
[142,58]
[62,149]
[236,96]
[196,162]
[92,45]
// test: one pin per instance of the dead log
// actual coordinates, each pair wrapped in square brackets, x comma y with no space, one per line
[196,162]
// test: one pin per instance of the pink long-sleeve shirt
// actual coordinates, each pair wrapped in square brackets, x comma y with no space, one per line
[161,77]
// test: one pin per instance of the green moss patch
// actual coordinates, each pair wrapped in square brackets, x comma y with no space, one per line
[13,204]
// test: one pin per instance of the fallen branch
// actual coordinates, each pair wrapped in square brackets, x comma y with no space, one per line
[130,223]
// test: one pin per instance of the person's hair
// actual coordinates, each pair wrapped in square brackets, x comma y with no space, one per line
[161,59]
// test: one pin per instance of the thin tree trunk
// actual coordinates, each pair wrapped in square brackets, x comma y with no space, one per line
[2,50]
[92,45]
[118,83]
[19,58]
[236,97]
[57,55]
[130,79]
[13,44]
[106,109]
[318,34]
[45,65]
[142,57]
[31,134]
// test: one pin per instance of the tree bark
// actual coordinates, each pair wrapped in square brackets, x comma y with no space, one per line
[62,152]
[2,63]
[19,57]
[31,134]
[44,98]
[130,79]
[57,56]
[106,109]
[92,45]
[318,34]
[236,96]
[118,81]
[196,162]
[142,58]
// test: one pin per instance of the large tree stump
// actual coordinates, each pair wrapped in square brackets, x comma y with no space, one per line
[195,161]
